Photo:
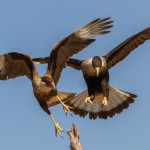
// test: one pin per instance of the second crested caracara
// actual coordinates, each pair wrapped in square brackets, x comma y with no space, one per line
[105,100]
[100,99]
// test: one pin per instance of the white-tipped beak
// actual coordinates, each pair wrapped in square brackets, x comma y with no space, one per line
[54,87]
[98,69]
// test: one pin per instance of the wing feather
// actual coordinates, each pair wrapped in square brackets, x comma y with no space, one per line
[40,60]
[14,65]
[74,63]
[126,47]
[74,43]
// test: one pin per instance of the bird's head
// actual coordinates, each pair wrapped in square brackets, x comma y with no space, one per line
[49,82]
[97,64]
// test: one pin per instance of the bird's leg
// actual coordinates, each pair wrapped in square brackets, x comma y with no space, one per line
[91,96]
[44,106]
[66,108]
[58,129]
[105,89]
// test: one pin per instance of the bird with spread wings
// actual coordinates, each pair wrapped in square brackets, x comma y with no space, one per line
[100,99]
[17,64]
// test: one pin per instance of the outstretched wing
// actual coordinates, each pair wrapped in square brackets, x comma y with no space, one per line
[125,48]
[14,65]
[40,60]
[74,63]
[75,43]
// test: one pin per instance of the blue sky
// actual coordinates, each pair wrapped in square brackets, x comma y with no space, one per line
[34,27]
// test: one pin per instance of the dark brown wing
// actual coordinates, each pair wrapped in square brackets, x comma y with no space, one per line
[14,65]
[75,43]
[40,60]
[74,63]
[125,48]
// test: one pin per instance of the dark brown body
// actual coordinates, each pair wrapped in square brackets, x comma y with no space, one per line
[43,95]
[46,96]
[98,84]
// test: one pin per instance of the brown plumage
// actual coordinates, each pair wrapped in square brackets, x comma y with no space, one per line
[126,47]
[97,80]
[17,64]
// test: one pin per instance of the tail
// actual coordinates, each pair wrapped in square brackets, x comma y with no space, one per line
[65,97]
[118,100]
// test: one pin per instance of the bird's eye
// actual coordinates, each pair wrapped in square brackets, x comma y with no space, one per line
[47,82]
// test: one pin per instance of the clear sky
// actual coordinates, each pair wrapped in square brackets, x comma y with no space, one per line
[34,27]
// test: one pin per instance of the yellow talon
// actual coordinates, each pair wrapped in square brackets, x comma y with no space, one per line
[88,99]
[65,107]
[105,101]
[58,129]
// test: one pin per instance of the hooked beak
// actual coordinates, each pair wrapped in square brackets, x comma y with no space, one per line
[54,87]
[98,69]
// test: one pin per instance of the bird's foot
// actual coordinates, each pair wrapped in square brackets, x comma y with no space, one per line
[105,101]
[58,129]
[88,100]
[67,108]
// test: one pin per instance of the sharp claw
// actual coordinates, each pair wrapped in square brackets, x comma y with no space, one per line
[66,113]
[88,100]
[104,102]
[58,130]
[67,109]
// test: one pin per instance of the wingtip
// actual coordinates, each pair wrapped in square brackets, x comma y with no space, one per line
[107,18]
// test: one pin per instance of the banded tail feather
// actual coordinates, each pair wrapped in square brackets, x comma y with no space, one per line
[118,101]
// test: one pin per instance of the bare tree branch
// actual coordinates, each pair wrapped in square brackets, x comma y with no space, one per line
[74,138]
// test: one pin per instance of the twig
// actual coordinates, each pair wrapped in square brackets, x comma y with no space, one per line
[74,138]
